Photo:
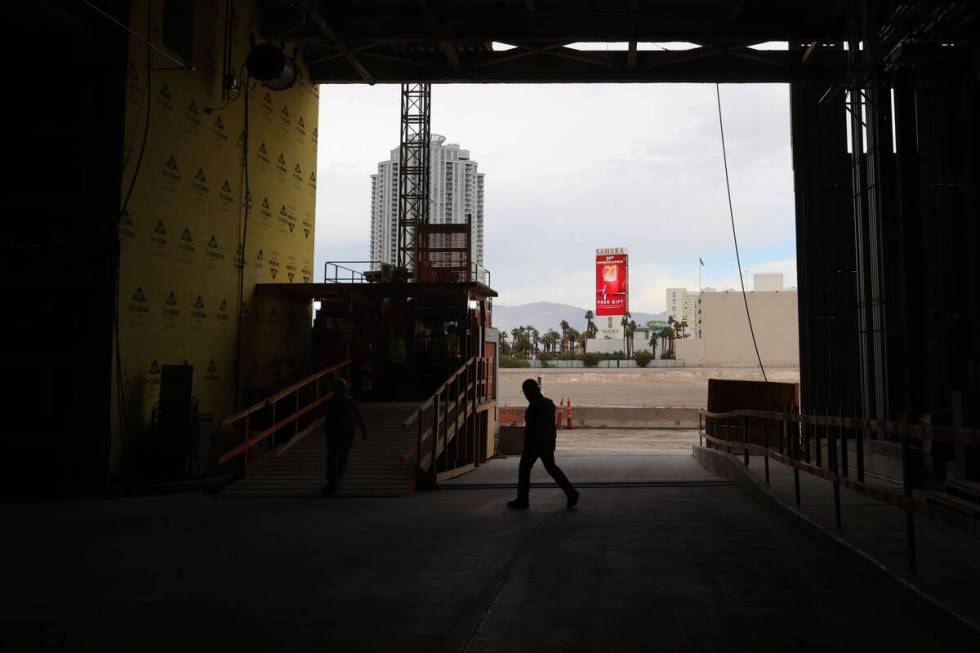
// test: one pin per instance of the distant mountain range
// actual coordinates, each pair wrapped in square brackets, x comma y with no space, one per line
[546,315]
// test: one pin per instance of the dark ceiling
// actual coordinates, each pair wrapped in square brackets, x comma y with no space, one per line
[368,41]
[446,41]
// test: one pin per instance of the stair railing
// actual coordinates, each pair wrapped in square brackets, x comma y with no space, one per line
[299,400]
[450,445]
[788,437]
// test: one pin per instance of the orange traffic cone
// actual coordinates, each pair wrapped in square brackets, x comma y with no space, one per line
[561,404]
[568,415]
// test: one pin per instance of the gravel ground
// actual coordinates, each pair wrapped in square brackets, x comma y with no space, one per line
[681,387]
[626,440]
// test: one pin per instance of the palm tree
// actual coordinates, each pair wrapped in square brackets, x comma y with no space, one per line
[590,328]
[550,339]
[682,328]
[573,337]
[632,330]
[504,347]
[564,333]
[667,339]
[625,324]
[533,337]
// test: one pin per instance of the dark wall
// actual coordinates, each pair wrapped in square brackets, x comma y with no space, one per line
[64,121]
[888,232]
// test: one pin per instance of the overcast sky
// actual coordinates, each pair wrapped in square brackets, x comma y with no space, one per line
[572,168]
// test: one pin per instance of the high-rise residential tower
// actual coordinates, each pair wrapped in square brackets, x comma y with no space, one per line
[456,191]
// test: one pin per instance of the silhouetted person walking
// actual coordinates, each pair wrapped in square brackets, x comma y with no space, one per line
[341,418]
[539,442]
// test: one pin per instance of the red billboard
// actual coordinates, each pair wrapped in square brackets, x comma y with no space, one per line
[611,281]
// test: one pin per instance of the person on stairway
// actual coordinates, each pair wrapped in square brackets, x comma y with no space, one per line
[341,418]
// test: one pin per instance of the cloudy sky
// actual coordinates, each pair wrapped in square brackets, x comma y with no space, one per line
[571,168]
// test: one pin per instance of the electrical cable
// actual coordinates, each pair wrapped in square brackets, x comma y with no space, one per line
[183,65]
[731,212]
[244,237]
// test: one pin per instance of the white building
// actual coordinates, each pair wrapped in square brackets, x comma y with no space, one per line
[726,340]
[455,192]
[682,305]
[767,281]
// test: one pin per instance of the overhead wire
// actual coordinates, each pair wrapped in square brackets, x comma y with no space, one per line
[731,212]
[246,201]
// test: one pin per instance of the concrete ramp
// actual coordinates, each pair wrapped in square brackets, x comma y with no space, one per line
[375,467]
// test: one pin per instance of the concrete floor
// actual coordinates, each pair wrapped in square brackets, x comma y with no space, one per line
[948,560]
[636,568]
[680,387]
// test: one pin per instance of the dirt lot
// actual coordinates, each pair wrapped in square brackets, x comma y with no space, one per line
[625,440]
[680,387]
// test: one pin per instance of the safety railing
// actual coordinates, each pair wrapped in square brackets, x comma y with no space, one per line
[378,271]
[355,271]
[799,441]
[285,408]
[451,444]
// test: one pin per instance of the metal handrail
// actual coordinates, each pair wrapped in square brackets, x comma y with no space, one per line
[950,434]
[428,402]
[250,439]
[453,403]
[836,468]
[344,274]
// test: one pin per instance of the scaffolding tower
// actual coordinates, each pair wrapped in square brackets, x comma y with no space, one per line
[413,173]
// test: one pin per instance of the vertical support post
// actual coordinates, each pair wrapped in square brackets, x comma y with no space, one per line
[909,517]
[765,446]
[831,444]
[435,436]
[728,436]
[859,447]
[296,413]
[833,461]
[818,454]
[795,448]
[700,429]
[275,430]
[460,407]
[837,516]
[418,447]
[445,429]
[831,450]
[842,436]
[781,436]
[474,403]
[248,433]
[745,438]
[805,436]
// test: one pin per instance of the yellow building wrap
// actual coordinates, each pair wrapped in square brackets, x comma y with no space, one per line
[184,227]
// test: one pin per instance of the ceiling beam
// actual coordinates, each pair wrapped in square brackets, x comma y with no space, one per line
[314,16]
[804,21]
[449,49]
[701,65]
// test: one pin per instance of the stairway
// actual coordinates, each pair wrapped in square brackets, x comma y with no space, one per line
[374,469]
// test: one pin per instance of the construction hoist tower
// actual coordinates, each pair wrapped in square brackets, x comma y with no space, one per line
[413,173]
